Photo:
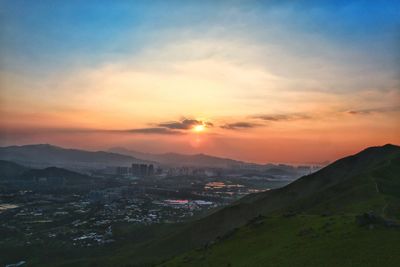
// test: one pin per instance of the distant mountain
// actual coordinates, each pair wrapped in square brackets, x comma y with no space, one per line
[44,155]
[54,174]
[175,159]
[365,182]
[276,171]
[10,169]
[54,180]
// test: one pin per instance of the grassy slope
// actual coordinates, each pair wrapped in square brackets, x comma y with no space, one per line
[368,181]
[305,240]
[353,184]
[53,253]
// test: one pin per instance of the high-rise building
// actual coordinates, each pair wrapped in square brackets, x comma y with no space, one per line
[143,170]
[122,170]
[150,170]
[135,171]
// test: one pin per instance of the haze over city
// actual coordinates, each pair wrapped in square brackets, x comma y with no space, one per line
[260,81]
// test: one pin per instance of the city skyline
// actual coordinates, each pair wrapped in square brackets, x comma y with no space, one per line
[260,81]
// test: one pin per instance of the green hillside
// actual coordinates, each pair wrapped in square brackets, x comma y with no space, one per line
[311,222]
[304,240]
[369,180]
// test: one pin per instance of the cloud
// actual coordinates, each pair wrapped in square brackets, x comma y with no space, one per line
[282,117]
[170,128]
[156,130]
[167,128]
[184,124]
[265,118]
[373,111]
[240,125]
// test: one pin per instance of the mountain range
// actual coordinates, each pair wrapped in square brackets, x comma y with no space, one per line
[176,159]
[45,155]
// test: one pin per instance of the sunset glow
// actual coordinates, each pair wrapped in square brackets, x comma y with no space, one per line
[276,83]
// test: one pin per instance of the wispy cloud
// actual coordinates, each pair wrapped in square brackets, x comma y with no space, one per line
[260,120]
[156,130]
[179,127]
[170,128]
[373,111]
[240,125]
[282,117]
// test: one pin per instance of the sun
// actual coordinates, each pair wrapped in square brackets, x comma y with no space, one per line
[199,128]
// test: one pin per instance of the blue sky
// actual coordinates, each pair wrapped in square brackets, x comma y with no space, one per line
[47,34]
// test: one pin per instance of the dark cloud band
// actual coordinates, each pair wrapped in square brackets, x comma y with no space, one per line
[185,124]
[240,125]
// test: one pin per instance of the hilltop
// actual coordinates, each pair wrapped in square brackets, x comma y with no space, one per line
[14,175]
[9,170]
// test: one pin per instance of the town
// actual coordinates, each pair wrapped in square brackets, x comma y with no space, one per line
[47,207]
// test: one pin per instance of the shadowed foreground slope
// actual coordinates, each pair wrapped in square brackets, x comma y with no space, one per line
[311,222]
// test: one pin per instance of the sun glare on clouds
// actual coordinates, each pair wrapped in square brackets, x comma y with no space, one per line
[199,128]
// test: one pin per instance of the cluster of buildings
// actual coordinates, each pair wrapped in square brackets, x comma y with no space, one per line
[149,170]
[142,170]
[136,170]
[192,171]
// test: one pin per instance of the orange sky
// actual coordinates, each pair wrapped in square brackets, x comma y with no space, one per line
[280,83]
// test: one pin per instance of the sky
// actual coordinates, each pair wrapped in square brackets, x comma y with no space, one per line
[260,81]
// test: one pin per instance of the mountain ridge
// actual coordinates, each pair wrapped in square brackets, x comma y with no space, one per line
[46,155]
[173,158]
[199,159]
